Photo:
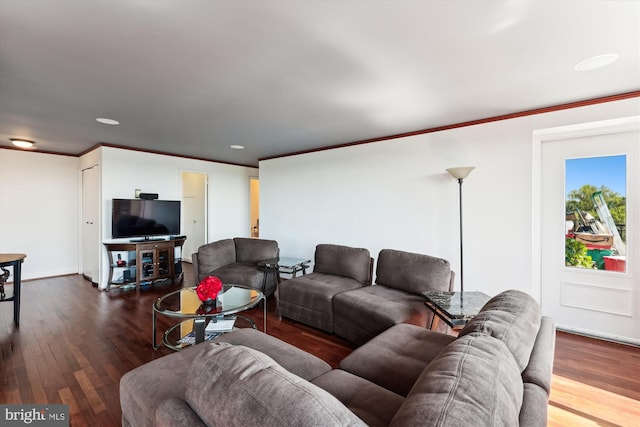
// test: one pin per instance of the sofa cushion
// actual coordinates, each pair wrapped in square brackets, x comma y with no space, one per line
[291,358]
[396,358]
[224,380]
[514,318]
[343,261]
[373,404]
[309,298]
[215,255]
[239,273]
[474,381]
[141,391]
[412,272]
[362,314]
[254,250]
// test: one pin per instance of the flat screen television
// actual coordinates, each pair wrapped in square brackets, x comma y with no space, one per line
[144,218]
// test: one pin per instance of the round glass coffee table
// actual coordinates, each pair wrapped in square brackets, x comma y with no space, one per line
[200,322]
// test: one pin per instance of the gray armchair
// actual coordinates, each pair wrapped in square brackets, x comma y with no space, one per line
[361,314]
[235,261]
[309,299]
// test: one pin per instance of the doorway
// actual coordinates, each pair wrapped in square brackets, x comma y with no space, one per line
[254,206]
[91,245]
[577,236]
[194,212]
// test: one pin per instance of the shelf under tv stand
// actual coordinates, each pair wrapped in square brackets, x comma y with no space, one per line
[146,261]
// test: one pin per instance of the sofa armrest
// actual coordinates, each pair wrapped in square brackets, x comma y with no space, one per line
[540,366]
[194,265]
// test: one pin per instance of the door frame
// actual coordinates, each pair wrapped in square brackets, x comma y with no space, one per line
[624,124]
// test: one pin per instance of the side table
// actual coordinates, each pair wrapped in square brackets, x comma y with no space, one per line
[15,261]
[454,308]
[283,265]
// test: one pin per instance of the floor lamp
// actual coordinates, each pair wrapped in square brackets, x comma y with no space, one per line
[460,174]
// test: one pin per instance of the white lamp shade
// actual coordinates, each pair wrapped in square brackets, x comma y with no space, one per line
[460,172]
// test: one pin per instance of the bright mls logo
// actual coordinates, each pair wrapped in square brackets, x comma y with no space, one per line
[35,415]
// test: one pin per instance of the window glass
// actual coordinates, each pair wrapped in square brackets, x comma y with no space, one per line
[596,211]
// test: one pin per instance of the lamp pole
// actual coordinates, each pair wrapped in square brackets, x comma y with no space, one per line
[461,239]
[460,173]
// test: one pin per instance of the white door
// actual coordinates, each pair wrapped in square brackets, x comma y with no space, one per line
[604,303]
[194,212]
[90,223]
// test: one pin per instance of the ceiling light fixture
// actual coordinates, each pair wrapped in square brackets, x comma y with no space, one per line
[22,143]
[596,62]
[237,147]
[107,121]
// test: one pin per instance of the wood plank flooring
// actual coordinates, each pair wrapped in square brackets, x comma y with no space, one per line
[75,342]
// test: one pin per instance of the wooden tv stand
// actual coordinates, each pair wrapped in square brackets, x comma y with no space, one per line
[144,262]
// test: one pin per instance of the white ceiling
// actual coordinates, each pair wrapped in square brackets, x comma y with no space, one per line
[193,77]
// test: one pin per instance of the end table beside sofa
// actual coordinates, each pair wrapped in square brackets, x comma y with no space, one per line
[496,372]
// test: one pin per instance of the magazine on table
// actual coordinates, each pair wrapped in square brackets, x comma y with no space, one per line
[190,338]
[220,324]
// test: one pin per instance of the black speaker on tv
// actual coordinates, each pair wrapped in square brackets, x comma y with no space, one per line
[149,196]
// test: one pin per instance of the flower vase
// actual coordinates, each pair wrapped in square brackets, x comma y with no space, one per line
[210,302]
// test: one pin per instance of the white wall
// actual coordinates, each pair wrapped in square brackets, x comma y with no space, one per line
[396,194]
[39,211]
[228,192]
[40,199]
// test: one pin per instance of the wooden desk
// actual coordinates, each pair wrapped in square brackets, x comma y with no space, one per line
[15,261]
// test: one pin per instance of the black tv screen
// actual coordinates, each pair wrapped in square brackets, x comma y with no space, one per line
[141,218]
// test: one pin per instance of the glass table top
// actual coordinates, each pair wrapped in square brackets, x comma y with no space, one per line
[457,305]
[186,304]
[284,262]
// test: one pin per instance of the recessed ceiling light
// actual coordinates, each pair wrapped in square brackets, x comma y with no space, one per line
[237,147]
[107,121]
[596,62]
[22,143]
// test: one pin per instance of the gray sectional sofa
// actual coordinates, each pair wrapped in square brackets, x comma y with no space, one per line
[338,297]
[235,261]
[497,372]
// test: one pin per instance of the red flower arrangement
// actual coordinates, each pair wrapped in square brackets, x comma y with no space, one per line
[208,288]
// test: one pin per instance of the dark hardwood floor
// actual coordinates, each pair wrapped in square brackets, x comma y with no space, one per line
[75,342]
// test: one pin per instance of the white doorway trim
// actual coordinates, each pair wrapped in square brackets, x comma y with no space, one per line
[626,124]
